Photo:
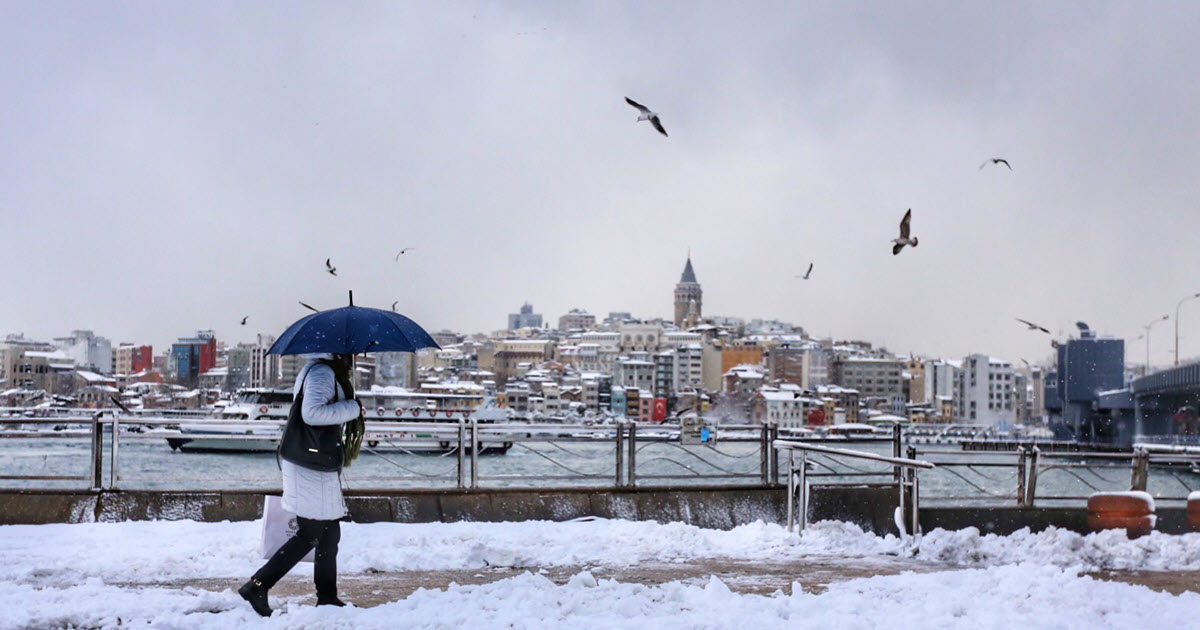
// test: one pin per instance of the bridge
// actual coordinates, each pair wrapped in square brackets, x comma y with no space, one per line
[1166,403]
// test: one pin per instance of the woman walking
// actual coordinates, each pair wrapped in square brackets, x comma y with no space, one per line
[312,491]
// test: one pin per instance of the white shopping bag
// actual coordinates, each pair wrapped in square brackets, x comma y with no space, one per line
[278,526]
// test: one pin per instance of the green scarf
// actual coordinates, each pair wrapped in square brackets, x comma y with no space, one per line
[356,428]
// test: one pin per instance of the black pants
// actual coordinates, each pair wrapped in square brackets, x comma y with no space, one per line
[324,536]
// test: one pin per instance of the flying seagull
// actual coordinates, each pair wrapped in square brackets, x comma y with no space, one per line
[244,320]
[647,115]
[309,307]
[330,268]
[806,273]
[904,239]
[404,251]
[995,161]
[394,305]
[1032,326]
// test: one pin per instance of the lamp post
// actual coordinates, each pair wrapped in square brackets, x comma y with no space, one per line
[1197,295]
[1147,327]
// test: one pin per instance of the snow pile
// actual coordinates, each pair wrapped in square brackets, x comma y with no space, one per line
[998,597]
[155,551]
[1109,549]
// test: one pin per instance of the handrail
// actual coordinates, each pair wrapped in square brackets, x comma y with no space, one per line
[898,461]
[905,470]
[642,454]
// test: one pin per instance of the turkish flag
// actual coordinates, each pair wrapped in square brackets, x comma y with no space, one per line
[660,409]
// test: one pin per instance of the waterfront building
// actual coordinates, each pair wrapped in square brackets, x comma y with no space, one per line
[215,379]
[11,351]
[510,354]
[48,370]
[192,356]
[131,359]
[607,347]
[524,319]
[733,355]
[551,399]
[239,362]
[576,319]
[916,380]
[617,400]
[743,381]
[784,406]
[664,374]
[264,368]
[841,403]
[875,378]
[397,369]
[986,392]
[773,327]
[672,339]
[941,378]
[516,397]
[640,338]
[87,350]
[1087,366]
[615,319]
[688,368]
[710,366]
[1037,394]
[289,368]
[635,373]
[447,338]
[596,391]
[689,298]
[803,364]
[364,371]
[645,406]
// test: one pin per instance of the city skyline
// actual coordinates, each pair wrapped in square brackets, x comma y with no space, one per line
[178,168]
[1133,355]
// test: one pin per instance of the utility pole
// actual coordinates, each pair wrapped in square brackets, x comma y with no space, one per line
[1197,295]
[1147,327]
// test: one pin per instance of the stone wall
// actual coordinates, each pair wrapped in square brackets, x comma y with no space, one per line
[869,506]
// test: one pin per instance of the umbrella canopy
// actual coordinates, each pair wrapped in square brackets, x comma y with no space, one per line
[352,330]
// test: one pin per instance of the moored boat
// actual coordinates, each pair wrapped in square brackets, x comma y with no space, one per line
[397,421]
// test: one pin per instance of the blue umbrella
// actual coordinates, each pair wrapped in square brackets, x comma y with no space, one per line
[352,330]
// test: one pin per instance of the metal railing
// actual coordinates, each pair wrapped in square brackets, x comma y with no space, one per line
[905,471]
[1087,471]
[635,454]
[621,455]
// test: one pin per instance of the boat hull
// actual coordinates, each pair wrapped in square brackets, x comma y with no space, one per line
[250,444]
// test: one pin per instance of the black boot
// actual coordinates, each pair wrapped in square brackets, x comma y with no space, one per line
[325,565]
[254,593]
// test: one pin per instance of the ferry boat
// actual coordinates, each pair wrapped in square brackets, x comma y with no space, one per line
[386,411]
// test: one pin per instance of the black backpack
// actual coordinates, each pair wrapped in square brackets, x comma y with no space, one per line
[314,448]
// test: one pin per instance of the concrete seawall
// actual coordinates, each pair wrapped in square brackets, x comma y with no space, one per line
[871,507]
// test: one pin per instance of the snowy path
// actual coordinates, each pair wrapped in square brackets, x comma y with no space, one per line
[91,575]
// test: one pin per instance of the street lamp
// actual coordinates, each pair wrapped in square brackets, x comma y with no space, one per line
[1177,324]
[1147,327]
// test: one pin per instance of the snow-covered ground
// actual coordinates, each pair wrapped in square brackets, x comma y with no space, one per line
[88,575]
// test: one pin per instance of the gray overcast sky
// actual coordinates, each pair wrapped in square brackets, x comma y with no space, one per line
[168,167]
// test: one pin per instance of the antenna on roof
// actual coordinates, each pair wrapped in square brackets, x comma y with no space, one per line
[352,298]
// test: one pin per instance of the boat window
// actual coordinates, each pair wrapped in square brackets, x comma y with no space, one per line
[267,398]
